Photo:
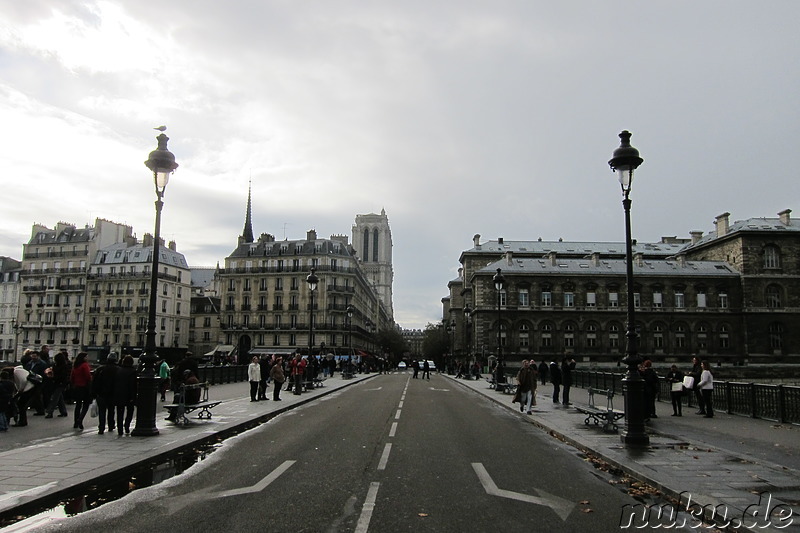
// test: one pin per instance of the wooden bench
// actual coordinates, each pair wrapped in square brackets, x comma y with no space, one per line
[506,387]
[608,416]
[178,411]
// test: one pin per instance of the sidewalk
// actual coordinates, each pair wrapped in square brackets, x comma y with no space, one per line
[48,458]
[726,461]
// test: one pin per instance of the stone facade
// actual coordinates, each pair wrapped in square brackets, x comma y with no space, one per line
[9,307]
[372,242]
[731,295]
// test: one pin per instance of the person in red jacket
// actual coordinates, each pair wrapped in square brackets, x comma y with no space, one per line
[298,367]
[80,380]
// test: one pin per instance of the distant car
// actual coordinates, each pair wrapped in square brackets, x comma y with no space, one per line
[401,365]
[431,365]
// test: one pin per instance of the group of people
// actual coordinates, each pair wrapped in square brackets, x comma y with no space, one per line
[699,381]
[265,369]
[45,385]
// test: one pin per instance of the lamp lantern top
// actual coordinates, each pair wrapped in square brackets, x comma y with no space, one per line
[312,280]
[350,311]
[625,160]
[499,280]
[161,162]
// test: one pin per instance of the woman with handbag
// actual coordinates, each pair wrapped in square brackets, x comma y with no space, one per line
[80,380]
[675,380]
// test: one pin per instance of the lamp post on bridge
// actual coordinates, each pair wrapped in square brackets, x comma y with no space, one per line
[312,281]
[162,163]
[624,161]
[499,285]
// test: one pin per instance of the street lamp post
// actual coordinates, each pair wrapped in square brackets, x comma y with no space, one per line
[162,163]
[312,281]
[350,339]
[15,327]
[467,332]
[499,284]
[624,161]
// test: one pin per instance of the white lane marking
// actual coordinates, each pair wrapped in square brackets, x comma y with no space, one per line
[385,457]
[369,505]
[261,485]
[441,390]
[379,388]
[560,506]
[393,431]
[400,405]
[397,414]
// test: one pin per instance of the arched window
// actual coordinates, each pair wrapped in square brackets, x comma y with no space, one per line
[365,255]
[772,256]
[569,336]
[375,245]
[773,296]
[524,335]
[724,339]
[547,335]
[591,335]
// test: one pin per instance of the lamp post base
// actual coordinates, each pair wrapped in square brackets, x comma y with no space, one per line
[147,396]
[634,434]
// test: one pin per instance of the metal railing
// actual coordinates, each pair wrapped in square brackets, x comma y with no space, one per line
[780,403]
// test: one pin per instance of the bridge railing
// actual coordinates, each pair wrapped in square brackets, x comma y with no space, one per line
[780,403]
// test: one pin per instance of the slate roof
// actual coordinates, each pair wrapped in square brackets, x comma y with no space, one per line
[614,267]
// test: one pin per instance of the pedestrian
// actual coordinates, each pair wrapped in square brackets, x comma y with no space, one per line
[426,369]
[298,367]
[37,366]
[697,370]
[163,374]
[675,380]
[277,376]
[555,379]
[7,392]
[80,382]
[526,386]
[706,387]
[650,388]
[567,366]
[263,363]
[103,392]
[191,392]
[254,377]
[125,394]
[60,381]
[543,372]
[415,368]
[187,363]
[26,383]
[44,354]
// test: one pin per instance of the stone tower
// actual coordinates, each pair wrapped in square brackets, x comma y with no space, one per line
[372,241]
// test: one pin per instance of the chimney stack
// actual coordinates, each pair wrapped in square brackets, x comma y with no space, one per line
[476,241]
[696,236]
[721,221]
[785,218]
[311,235]
[509,258]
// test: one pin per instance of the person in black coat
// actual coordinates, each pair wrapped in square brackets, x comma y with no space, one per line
[103,384]
[675,380]
[555,379]
[544,370]
[125,394]
[567,366]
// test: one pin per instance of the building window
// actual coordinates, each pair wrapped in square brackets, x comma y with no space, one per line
[680,336]
[658,337]
[773,296]
[657,299]
[724,340]
[637,300]
[524,336]
[502,334]
[701,299]
[723,300]
[502,298]
[278,284]
[569,336]
[591,299]
[613,299]
[547,299]
[776,336]
[591,336]
[679,300]
[772,257]
[547,336]
[569,299]
[613,336]
[523,298]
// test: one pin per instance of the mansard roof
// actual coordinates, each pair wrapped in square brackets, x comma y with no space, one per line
[612,267]
[121,253]
[573,249]
[748,225]
[287,248]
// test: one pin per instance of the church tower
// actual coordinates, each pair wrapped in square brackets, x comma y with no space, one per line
[372,241]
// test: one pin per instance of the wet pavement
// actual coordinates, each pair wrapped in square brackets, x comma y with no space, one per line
[731,463]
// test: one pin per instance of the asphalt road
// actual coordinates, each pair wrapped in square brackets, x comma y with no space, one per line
[387,455]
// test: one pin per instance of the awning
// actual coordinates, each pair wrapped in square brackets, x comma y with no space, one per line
[221,348]
[271,351]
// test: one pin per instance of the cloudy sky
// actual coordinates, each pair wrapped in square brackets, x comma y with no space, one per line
[457,117]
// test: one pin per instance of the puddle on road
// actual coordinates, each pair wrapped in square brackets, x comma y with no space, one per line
[113,487]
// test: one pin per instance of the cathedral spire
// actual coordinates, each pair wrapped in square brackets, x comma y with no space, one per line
[247,233]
